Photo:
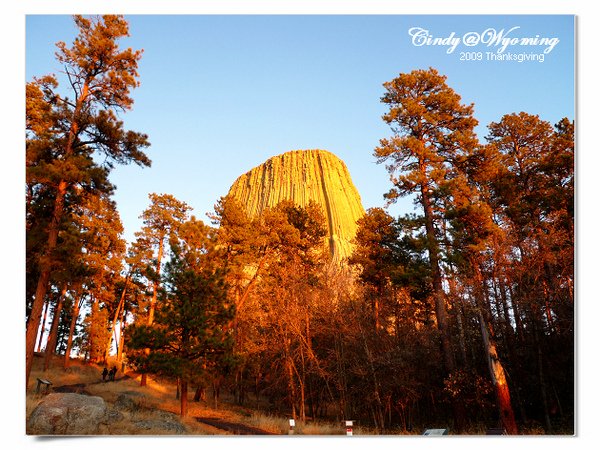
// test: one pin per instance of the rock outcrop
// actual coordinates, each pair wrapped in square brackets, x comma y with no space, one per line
[163,423]
[302,176]
[68,414]
[130,401]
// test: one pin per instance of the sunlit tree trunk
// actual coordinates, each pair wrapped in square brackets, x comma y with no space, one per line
[509,335]
[42,284]
[53,335]
[155,287]
[113,324]
[184,398]
[75,315]
[121,347]
[497,373]
[499,379]
[53,229]
[42,324]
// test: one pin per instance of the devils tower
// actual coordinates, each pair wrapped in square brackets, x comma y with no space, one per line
[302,176]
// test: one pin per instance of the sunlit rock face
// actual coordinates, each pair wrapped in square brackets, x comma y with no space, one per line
[302,176]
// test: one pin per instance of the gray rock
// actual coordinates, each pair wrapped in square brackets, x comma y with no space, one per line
[114,415]
[67,414]
[160,424]
[130,401]
[162,421]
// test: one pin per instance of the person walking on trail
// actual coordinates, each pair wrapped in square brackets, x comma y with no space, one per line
[104,373]
[112,374]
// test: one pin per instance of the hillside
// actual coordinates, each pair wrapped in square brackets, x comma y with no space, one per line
[150,410]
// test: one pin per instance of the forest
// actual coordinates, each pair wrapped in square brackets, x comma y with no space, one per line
[459,314]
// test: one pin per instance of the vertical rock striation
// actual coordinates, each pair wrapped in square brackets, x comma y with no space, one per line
[302,176]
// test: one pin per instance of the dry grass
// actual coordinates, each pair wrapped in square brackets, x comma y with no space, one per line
[155,403]
[272,424]
[58,375]
[280,425]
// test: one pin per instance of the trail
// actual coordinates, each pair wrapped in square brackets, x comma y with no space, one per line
[79,388]
[231,427]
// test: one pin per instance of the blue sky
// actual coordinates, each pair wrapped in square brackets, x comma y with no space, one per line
[221,94]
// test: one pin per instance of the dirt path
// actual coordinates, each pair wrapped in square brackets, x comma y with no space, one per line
[79,388]
[233,427]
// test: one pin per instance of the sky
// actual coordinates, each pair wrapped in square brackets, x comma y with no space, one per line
[219,95]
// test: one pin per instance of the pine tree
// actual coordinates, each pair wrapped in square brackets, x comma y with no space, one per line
[162,220]
[187,338]
[63,133]
[532,195]
[430,127]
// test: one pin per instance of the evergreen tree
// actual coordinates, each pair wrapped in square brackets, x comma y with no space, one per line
[162,220]
[187,339]
[431,128]
[65,132]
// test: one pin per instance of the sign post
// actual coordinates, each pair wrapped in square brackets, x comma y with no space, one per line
[348,428]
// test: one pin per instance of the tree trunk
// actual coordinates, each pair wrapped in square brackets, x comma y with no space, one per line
[438,293]
[436,275]
[155,286]
[74,317]
[53,335]
[459,319]
[509,334]
[495,367]
[42,324]
[42,285]
[516,311]
[376,313]
[216,390]
[200,394]
[113,324]
[291,385]
[53,228]
[184,399]
[541,378]
[122,339]
[378,410]
[499,379]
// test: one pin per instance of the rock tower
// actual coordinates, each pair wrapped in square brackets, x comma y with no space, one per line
[302,176]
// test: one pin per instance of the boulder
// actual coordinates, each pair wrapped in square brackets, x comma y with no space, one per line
[113,415]
[162,422]
[130,401]
[67,414]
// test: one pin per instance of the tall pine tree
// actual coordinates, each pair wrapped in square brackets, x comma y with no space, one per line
[65,131]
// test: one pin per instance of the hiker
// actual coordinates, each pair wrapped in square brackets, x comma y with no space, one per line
[104,373]
[113,371]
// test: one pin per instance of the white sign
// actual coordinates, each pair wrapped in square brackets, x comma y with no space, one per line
[436,432]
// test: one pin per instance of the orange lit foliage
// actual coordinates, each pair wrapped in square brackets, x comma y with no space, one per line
[64,132]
